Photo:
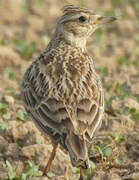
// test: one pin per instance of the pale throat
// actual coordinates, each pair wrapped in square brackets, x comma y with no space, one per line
[72,39]
[75,40]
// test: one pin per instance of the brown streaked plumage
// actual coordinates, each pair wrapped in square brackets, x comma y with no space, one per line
[61,90]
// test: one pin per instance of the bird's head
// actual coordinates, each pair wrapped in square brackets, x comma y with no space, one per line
[78,23]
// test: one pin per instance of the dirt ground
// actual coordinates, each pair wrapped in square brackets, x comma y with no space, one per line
[26,27]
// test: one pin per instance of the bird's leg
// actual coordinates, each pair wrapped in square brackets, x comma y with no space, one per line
[81,174]
[47,168]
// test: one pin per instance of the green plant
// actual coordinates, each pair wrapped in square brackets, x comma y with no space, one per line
[118,138]
[89,172]
[51,175]
[24,48]
[3,124]
[132,112]
[11,171]
[124,61]
[136,62]
[5,116]
[108,103]
[3,108]
[39,141]
[21,115]
[3,42]
[136,5]
[104,150]
[122,90]
[32,170]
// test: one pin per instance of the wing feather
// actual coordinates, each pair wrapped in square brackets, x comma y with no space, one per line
[48,107]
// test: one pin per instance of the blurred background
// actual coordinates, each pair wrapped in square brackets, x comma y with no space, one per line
[26,27]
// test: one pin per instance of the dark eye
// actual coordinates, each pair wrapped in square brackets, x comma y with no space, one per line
[82,19]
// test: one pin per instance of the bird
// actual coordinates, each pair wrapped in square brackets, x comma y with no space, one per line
[61,90]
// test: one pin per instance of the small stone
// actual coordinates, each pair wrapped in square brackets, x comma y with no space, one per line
[13,151]
[9,100]
[3,144]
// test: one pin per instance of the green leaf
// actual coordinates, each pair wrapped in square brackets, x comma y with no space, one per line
[6,116]
[104,149]
[105,71]
[136,5]
[11,173]
[3,42]
[51,175]
[3,108]
[124,61]
[75,170]
[39,141]
[122,90]
[21,115]
[112,135]
[137,97]
[26,49]
[136,37]
[3,125]
[136,116]
[98,148]
[118,138]
[126,110]
[132,110]
[89,172]
[136,62]
[32,170]
[24,176]
[107,151]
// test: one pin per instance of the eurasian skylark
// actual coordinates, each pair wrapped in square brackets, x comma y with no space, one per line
[62,91]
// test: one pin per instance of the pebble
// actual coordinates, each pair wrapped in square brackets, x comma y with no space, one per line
[9,100]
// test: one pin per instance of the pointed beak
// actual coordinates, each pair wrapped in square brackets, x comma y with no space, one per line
[104,20]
